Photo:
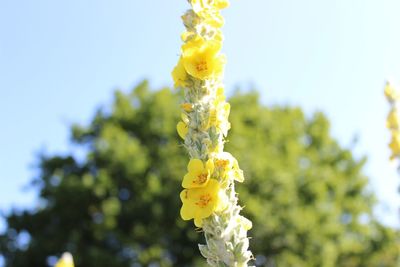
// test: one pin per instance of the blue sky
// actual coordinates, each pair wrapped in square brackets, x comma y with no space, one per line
[59,60]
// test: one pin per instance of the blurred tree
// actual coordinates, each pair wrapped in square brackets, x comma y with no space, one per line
[118,204]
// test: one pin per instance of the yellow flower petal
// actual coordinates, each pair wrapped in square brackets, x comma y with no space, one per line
[391,93]
[210,166]
[395,145]
[198,222]
[182,129]
[188,208]
[393,120]
[185,118]
[195,165]
[238,173]
[221,4]
[179,75]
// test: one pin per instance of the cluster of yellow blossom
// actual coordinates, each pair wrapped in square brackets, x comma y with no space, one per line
[204,186]
[392,121]
[200,62]
[208,194]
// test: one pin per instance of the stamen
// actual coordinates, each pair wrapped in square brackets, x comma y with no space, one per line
[201,178]
[201,66]
[221,163]
[204,200]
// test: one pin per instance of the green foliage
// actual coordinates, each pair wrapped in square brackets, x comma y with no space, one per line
[119,204]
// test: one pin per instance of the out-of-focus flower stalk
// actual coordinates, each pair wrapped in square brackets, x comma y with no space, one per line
[209,195]
[392,121]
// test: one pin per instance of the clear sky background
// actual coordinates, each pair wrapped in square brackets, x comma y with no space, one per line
[59,60]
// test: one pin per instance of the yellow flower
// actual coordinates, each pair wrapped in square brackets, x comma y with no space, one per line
[66,260]
[223,163]
[200,5]
[201,58]
[179,75]
[391,93]
[198,173]
[221,4]
[200,203]
[227,165]
[212,18]
[395,145]
[237,172]
[393,120]
[182,126]
[182,129]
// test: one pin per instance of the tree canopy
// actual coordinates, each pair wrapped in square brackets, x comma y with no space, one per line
[118,204]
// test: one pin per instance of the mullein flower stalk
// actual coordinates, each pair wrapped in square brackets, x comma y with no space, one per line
[208,194]
[392,121]
[393,124]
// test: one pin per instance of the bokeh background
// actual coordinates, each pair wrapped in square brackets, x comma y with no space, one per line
[61,60]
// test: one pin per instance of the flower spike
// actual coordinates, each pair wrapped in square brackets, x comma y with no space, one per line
[208,196]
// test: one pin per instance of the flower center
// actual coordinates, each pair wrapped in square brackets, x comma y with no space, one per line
[201,178]
[201,66]
[204,200]
[221,163]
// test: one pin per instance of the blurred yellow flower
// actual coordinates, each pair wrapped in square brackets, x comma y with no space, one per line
[212,18]
[186,35]
[221,4]
[198,173]
[201,58]
[66,260]
[391,93]
[395,145]
[179,75]
[199,203]
[237,172]
[226,164]
[393,120]
[200,5]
